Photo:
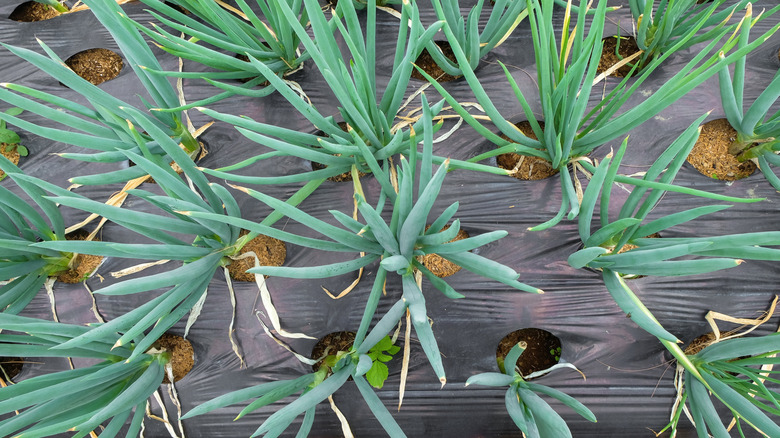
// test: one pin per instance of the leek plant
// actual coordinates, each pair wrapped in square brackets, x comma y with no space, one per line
[566,76]
[23,268]
[735,372]
[503,19]
[660,25]
[213,35]
[371,136]
[314,388]
[758,133]
[102,125]
[530,413]
[112,390]
[213,245]
[396,245]
[623,246]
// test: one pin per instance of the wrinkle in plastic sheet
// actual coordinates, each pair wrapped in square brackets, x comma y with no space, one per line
[629,379]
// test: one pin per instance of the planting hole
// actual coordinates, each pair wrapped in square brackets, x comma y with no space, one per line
[523,166]
[425,61]
[543,350]
[182,355]
[710,155]
[626,46]
[269,251]
[437,264]
[10,152]
[10,367]
[33,11]
[96,65]
[331,344]
[83,265]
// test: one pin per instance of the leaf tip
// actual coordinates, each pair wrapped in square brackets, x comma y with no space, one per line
[443,381]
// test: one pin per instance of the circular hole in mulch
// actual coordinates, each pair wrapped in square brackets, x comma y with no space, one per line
[425,61]
[33,11]
[245,58]
[331,344]
[710,155]
[96,65]
[437,264]
[269,251]
[626,46]
[526,167]
[701,342]
[84,264]
[11,153]
[11,367]
[342,177]
[543,350]
[182,355]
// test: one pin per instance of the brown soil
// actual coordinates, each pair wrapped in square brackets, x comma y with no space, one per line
[711,156]
[425,61]
[342,177]
[96,65]
[270,252]
[182,355]
[627,48]
[699,343]
[529,168]
[11,367]
[33,11]
[543,349]
[330,344]
[437,264]
[84,264]
[12,156]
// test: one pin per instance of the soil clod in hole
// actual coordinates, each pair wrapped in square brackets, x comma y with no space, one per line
[543,350]
[609,58]
[11,367]
[437,264]
[269,251]
[526,167]
[96,65]
[11,153]
[83,265]
[331,344]
[33,11]
[182,355]
[425,61]
[710,155]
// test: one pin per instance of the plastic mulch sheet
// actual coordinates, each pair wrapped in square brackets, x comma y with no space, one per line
[629,376]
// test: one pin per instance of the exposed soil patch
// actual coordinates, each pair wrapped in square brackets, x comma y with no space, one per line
[11,367]
[202,153]
[425,61]
[526,167]
[543,350]
[83,265]
[437,264]
[96,65]
[269,251]
[342,177]
[699,343]
[33,11]
[609,57]
[182,355]
[12,155]
[331,344]
[711,156]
